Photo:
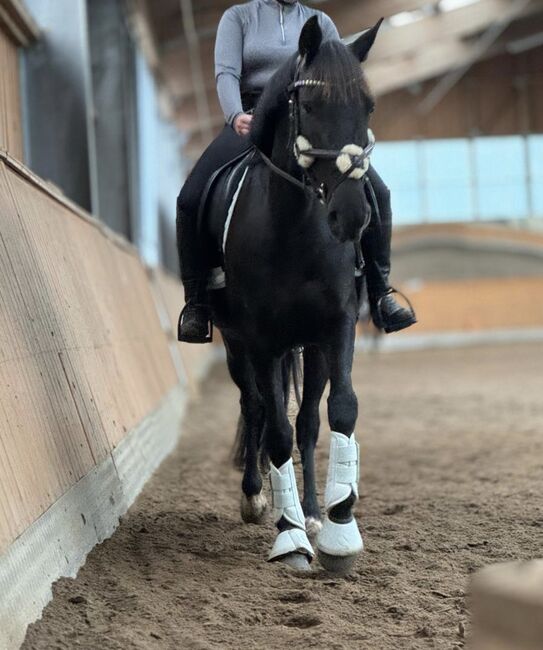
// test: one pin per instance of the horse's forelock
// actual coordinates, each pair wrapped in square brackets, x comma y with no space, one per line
[341,74]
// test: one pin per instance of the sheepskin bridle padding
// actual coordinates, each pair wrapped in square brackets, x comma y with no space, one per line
[352,161]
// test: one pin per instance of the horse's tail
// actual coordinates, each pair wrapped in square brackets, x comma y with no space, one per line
[239,450]
[292,369]
[240,444]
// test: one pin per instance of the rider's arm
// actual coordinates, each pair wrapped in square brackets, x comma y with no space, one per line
[228,64]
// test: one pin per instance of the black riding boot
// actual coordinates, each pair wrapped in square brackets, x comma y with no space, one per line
[386,313]
[195,325]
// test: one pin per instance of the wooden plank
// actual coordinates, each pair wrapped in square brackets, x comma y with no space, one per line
[476,305]
[17,23]
[11,136]
[83,357]
[446,26]
[195,358]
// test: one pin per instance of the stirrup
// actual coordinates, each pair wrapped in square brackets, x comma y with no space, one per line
[390,291]
[183,338]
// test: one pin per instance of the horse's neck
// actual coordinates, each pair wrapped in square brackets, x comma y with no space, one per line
[282,151]
[285,197]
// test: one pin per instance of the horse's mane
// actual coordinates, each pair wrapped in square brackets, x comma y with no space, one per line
[334,64]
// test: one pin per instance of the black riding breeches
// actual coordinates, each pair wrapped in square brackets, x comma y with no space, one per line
[377,237]
[192,258]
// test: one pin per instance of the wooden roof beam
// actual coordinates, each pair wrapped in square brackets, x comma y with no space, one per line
[429,61]
[480,49]
[458,23]
[16,21]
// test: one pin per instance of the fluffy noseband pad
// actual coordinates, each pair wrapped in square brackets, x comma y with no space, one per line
[353,156]
[302,144]
[342,469]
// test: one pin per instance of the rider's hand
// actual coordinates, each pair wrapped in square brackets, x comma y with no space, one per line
[242,124]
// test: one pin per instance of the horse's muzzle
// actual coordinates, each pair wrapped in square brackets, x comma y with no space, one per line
[349,212]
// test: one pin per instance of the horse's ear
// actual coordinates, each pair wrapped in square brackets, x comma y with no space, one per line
[364,43]
[310,39]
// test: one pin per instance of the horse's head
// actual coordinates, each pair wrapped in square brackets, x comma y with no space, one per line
[330,111]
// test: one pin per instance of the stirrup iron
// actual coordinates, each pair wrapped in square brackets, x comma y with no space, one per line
[389,292]
[208,338]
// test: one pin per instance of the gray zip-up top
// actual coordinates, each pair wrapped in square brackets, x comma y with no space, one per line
[253,40]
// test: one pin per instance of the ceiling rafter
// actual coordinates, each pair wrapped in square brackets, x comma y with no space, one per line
[423,49]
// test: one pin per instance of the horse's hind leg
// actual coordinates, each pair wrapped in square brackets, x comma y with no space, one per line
[339,541]
[291,544]
[307,431]
[253,501]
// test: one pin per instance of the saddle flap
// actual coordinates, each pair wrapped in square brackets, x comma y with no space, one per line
[220,189]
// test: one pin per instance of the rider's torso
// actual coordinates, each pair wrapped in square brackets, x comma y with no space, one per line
[271,31]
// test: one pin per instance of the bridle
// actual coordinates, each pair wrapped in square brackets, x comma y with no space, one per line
[352,161]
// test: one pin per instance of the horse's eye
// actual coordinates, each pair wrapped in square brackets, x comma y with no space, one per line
[307,107]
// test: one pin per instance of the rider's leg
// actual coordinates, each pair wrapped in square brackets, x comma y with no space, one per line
[386,313]
[195,320]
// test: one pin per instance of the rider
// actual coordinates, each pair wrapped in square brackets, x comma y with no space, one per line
[253,40]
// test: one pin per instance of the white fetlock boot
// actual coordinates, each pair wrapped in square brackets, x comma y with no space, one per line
[286,504]
[339,544]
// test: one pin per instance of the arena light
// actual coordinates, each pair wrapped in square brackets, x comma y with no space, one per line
[451,5]
[408,17]
[405,18]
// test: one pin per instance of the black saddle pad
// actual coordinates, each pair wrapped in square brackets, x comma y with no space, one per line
[219,193]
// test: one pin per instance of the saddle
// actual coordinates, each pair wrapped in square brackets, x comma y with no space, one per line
[216,204]
[216,208]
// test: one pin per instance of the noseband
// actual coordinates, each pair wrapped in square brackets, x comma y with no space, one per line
[352,161]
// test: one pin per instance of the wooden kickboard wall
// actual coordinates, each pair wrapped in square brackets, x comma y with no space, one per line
[83,353]
[478,305]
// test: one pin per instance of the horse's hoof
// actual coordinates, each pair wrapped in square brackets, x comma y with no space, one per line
[254,509]
[313,526]
[335,563]
[296,561]
[339,545]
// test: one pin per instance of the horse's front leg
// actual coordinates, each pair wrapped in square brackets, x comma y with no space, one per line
[291,544]
[339,541]
[307,431]
[253,500]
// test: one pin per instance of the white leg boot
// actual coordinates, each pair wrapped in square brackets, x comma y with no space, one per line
[286,504]
[335,539]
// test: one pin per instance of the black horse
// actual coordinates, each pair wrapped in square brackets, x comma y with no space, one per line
[290,262]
